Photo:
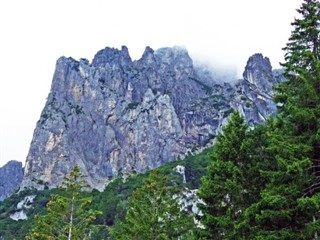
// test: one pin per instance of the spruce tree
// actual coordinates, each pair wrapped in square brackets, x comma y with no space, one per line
[298,98]
[154,214]
[68,216]
[277,213]
[289,204]
[223,188]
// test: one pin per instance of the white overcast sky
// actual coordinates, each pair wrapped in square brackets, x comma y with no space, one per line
[35,33]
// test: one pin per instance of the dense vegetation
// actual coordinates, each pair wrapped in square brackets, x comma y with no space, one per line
[153,213]
[112,202]
[261,183]
[67,215]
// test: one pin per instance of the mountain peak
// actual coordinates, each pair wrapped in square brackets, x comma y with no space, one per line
[258,71]
[11,175]
[111,56]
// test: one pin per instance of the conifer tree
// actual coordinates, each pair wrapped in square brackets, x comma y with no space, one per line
[298,98]
[68,216]
[153,213]
[277,213]
[289,204]
[223,188]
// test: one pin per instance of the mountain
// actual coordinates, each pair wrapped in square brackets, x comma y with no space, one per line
[115,116]
[254,96]
[11,175]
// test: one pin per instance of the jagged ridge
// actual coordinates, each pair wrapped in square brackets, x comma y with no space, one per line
[118,116]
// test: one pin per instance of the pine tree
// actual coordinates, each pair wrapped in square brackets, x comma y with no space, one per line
[68,216]
[153,213]
[223,188]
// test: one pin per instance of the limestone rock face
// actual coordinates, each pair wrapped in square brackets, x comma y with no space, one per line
[11,175]
[254,96]
[117,116]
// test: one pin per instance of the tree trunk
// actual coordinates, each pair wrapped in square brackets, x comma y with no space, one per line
[71,218]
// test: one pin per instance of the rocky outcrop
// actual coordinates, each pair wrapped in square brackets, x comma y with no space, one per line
[254,96]
[23,205]
[11,175]
[117,116]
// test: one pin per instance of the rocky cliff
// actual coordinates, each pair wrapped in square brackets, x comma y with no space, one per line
[11,175]
[116,116]
[253,94]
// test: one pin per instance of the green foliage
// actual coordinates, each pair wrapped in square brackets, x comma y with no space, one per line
[68,216]
[299,96]
[222,189]
[265,185]
[112,202]
[302,50]
[276,213]
[288,204]
[255,185]
[153,213]
[10,229]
